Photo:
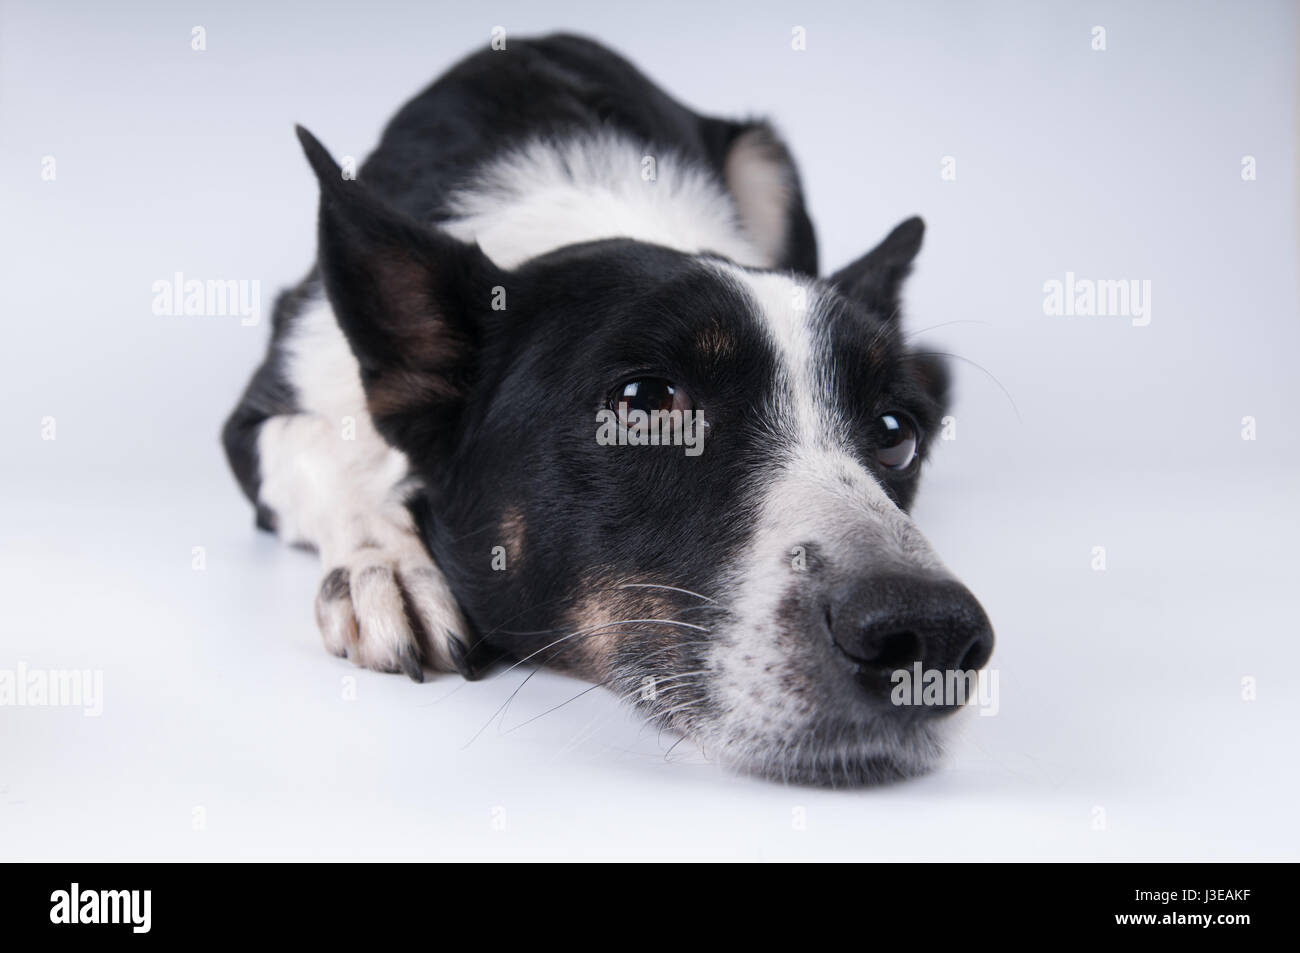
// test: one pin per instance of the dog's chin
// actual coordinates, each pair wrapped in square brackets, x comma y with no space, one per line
[842,767]
[828,755]
[854,771]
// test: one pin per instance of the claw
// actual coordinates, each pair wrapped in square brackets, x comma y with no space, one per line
[460,657]
[411,666]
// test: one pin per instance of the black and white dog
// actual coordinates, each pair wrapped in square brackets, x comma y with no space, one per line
[545,242]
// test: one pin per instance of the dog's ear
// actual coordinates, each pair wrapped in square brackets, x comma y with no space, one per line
[876,278]
[876,281]
[407,298]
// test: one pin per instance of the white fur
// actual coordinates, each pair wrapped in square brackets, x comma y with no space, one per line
[824,495]
[326,472]
[335,484]
[547,194]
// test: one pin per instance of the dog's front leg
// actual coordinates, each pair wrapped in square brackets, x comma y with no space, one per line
[382,601]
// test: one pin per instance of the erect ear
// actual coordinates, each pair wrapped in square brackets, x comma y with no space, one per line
[408,299]
[876,278]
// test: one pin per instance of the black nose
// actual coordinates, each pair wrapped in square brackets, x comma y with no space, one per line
[888,623]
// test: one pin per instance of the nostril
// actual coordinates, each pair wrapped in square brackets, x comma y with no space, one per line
[893,650]
[977,654]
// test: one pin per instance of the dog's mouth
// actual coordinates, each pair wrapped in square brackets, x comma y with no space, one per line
[832,761]
[828,752]
[780,698]
[787,726]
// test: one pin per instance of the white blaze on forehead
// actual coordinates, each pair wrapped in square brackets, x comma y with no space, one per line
[789,309]
[816,457]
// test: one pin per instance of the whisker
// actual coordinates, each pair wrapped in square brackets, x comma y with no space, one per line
[603,684]
[660,681]
[888,327]
[673,746]
[651,585]
[674,647]
[660,716]
[472,532]
[986,371]
[946,324]
[581,633]
[592,630]
[504,708]
[593,687]
[573,597]
[555,707]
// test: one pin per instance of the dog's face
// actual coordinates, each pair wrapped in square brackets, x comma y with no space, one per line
[751,578]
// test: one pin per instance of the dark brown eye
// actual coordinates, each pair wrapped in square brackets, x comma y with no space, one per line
[895,440]
[648,395]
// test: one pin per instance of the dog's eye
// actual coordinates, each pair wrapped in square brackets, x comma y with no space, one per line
[895,440]
[648,394]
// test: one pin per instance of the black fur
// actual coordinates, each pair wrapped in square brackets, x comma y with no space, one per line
[496,409]
[550,86]
[267,395]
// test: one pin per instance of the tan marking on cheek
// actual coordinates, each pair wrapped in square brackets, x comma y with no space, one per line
[606,614]
[511,533]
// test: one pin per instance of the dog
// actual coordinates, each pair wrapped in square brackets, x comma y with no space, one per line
[545,247]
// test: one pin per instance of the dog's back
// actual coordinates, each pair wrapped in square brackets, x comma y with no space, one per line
[569,111]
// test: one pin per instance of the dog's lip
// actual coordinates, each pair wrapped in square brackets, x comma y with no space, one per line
[867,767]
[859,745]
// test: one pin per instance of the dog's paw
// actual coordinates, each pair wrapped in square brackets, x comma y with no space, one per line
[391,610]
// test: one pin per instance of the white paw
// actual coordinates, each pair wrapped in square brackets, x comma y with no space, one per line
[388,608]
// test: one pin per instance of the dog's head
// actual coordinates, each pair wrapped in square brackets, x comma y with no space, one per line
[741,565]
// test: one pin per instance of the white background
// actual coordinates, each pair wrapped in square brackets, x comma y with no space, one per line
[1120,690]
